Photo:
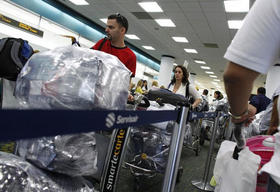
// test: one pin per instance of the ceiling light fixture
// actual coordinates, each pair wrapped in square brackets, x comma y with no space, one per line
[190,50]
[148,47]
[213,76]
[216,80]
[165,22]
[209,72]
[205,67]
[237,6]
[235,24]
[150,6]
[200,61]
[79,2]
[180,39]
[132,36]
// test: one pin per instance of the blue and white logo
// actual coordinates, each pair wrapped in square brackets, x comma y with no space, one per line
[110,120]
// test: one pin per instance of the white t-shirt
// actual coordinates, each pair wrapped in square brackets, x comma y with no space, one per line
[257,44]
[182,90]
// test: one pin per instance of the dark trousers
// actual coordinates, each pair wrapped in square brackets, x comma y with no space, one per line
[272,186]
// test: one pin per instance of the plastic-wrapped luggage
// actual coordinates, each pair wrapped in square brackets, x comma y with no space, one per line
[17,175]
[73,78]
[73,155]
[70,78]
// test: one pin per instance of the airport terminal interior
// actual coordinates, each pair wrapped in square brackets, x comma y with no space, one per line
[126,95]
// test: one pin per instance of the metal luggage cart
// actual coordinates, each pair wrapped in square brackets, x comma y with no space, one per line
[192,136]
[149,151]
[207,129]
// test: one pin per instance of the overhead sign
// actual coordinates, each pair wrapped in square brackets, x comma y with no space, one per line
[21,26]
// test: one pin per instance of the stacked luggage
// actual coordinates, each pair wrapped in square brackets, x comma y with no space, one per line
[69,78]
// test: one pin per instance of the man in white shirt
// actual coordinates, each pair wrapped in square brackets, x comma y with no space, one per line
[254,49]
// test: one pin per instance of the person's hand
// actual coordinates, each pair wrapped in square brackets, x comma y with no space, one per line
[130,98]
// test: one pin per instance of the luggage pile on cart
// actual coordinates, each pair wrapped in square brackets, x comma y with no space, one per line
[69,78]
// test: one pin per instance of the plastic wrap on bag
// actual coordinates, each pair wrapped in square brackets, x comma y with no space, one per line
[72,155]
[73,78]
[17,175]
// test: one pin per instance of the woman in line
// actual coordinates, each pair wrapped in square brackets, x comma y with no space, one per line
[139,87]
[180,85]
[145,86]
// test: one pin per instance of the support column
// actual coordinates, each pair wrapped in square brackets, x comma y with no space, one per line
[272,80]
[165,71]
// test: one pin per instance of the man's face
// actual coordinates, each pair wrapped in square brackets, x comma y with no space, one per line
[113,30]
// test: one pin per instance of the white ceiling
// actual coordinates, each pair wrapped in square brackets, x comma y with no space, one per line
[200,21]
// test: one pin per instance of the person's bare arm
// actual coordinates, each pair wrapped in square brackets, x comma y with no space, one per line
[196,102]
[238,84]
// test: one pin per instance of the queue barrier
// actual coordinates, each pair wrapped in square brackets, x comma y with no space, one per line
[23,124]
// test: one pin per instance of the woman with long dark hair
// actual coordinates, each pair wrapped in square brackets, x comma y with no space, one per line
[145,86]
[180,83]
[218,95]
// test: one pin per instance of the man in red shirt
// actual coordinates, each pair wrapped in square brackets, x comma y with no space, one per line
[116,28]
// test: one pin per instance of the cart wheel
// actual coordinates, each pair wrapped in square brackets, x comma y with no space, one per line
[179,174]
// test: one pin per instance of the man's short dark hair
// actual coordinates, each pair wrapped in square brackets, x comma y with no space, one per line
[205,92]
[261,90]
[121,20]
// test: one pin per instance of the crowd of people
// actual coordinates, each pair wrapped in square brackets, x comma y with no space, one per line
[245,65]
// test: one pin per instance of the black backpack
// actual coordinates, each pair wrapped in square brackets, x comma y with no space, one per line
[14,53]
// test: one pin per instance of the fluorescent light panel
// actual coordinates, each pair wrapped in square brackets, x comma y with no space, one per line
[175,64]
[104,20]
[190,50]
[216,80]
[237,6]
[215,83]
[180,39]
[165,22]
[205,67]
[200,61]
[150,6]
[209,72]
[132,36]
[148,47]
[213,76]
[235,24]
[79,2]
